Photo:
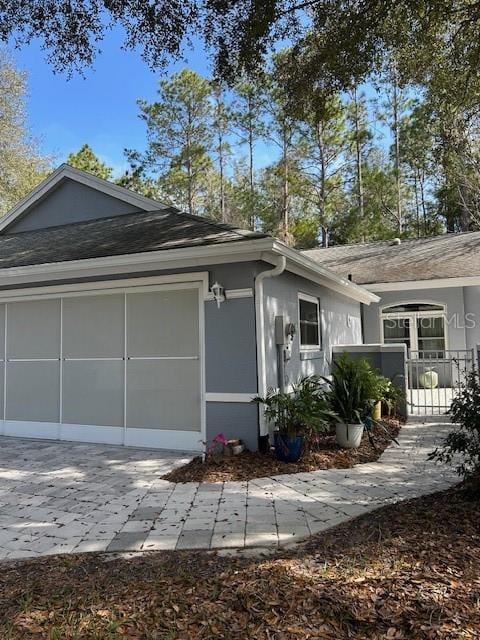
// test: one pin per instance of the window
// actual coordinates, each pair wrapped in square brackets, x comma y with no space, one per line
[421,326]
[309,322]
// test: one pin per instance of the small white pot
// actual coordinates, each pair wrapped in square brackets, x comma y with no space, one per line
[349,436]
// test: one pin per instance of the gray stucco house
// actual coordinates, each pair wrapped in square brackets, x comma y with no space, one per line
[429,290]
[125,321]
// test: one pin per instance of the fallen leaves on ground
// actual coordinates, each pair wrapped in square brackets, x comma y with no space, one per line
[407,571]
[326,455]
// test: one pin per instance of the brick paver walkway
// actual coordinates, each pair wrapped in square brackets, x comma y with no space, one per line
[58,497]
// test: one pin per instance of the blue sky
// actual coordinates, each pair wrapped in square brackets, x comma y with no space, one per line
[99,109]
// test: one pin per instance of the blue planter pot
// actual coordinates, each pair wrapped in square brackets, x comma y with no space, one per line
[288,448]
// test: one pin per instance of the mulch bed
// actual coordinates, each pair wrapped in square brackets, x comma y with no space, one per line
[247,465]
[407,571]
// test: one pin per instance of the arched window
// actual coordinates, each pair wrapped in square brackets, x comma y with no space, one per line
[419,325]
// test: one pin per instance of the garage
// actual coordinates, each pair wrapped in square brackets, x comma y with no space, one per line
[120,366]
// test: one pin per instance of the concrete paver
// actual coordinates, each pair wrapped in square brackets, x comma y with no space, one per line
[59,497]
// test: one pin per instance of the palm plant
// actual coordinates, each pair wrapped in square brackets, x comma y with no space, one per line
[353,389]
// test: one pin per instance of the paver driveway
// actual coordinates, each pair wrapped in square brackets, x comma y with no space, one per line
[66,497]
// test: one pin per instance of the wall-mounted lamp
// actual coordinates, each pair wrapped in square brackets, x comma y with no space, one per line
[218,293]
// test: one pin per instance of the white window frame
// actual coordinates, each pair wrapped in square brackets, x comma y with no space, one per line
[413,316]
[309,347]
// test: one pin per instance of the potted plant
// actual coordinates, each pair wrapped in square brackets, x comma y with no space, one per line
[296,415]
[353,393]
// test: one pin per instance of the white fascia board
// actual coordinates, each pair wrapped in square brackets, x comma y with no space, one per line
[440,283]
[265,249]
[137,262]
[307,268]
[64,172]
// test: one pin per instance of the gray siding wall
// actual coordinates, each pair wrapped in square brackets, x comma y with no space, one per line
[70,202]
[471,296]
[452,297]
[340,324]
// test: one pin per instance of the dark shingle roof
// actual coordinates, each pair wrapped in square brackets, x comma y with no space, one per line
[116,235]
[447,256]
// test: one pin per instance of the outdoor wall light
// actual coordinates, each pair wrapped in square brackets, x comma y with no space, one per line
[218,293]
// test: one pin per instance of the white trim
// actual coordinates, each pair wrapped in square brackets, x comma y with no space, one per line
[229,397]
[439,283]
[413,316]
[144,261]
[203,370]
[305,348]
[65,172]
[265,249]
[151,438]
[165,439]
[106,286]
[388,305]
[261,337]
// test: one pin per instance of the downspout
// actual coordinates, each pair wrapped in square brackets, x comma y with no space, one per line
[261,337]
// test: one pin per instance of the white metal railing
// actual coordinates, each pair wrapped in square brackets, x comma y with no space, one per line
[434,378]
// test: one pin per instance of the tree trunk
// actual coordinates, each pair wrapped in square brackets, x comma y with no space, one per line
[285,192]
[251,174]
[359,160]
[221,162]
[322,183]
[396,135]
[417,203]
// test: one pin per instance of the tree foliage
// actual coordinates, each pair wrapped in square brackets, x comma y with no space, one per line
[21,164]
[86,160]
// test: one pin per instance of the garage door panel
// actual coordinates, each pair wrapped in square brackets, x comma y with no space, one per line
[162,323]
[2,331]
[93,326]
[93,393]
[33,329]
[163,394]
[33,391]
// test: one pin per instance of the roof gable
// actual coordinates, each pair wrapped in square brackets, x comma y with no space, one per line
[69,195]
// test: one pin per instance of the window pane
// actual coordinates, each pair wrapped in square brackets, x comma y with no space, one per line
[430,327]
[309,323]
[396,329]
[434,345]
[414,307]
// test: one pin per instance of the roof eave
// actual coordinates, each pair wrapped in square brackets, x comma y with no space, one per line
[256,249]
[434,283]
[299,263]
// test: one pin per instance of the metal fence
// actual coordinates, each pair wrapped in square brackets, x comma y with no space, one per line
[434,378]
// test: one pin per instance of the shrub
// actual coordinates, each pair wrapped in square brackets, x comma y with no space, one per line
[461,447]
[303,410]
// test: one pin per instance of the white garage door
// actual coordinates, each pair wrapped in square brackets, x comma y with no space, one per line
[120,367]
